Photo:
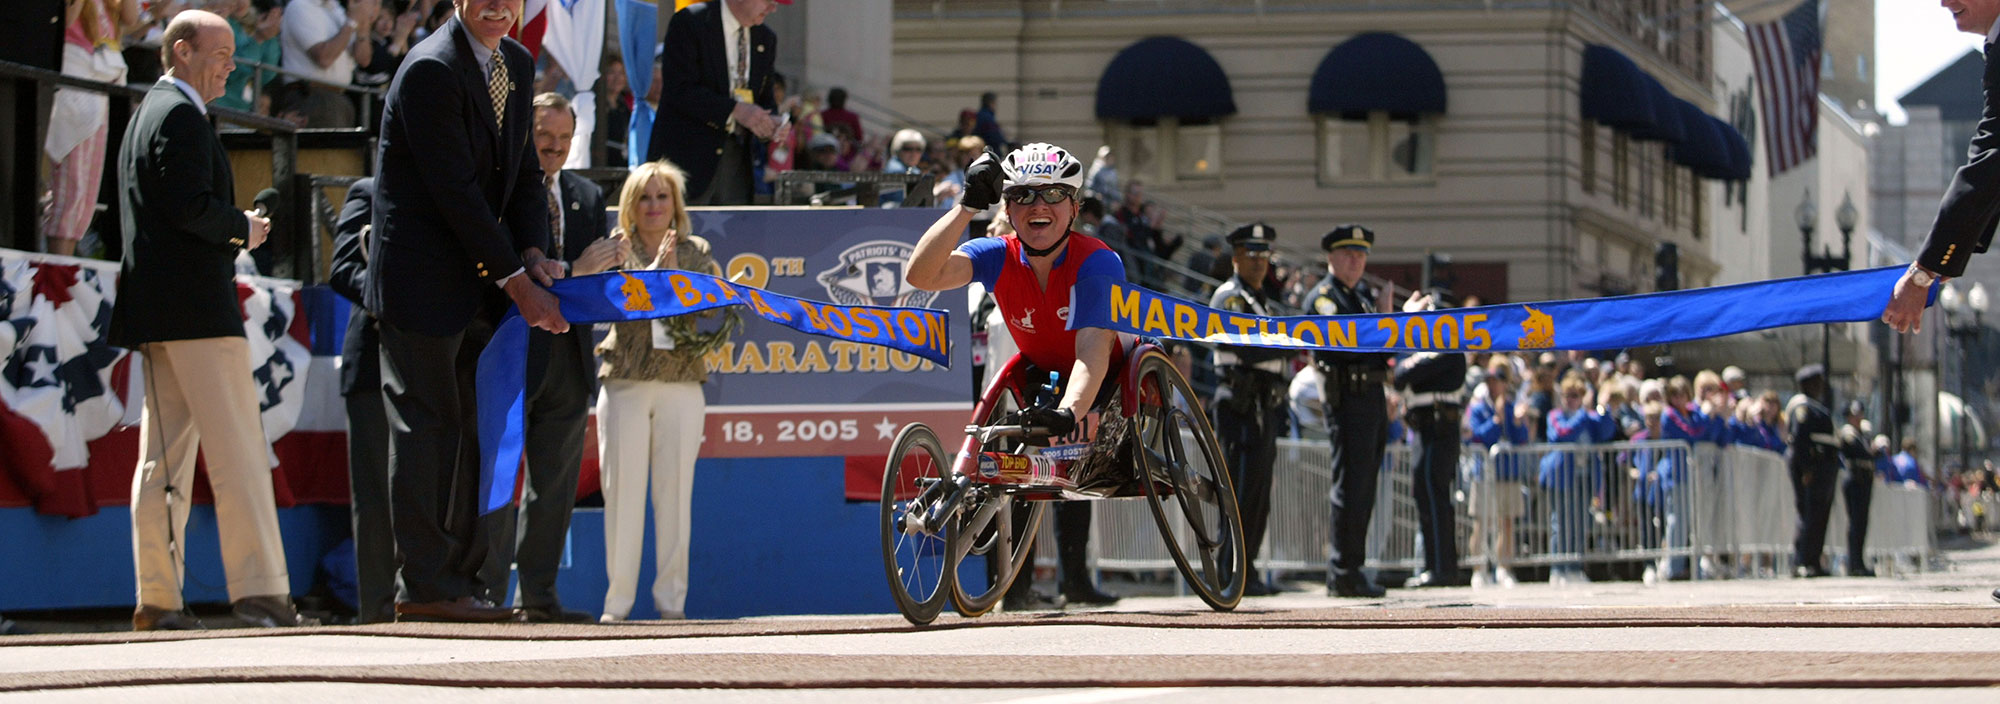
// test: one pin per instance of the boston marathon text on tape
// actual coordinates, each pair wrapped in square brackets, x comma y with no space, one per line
[1585,324]
[1167,317]
[867,325]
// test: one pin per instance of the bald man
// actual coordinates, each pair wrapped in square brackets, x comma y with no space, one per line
[177,307]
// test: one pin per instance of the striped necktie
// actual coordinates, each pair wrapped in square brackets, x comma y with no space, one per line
[555,217]
[498,85]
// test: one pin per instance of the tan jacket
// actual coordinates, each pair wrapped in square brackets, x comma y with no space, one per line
[628,352]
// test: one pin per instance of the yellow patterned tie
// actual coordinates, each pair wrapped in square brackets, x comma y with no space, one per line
[498,86]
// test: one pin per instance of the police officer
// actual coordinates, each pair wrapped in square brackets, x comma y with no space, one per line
[1858,487]
[1356,410]
[1250,397]
[1814,461]
[1433,385]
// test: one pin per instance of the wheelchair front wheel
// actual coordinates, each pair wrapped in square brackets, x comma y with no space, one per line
[917,562]
[1187,482]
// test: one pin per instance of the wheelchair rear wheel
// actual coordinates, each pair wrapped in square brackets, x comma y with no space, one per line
[917,562]
[1187,482]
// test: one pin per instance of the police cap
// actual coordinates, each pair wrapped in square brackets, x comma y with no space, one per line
[1857,408]
[1809,372]
[1254,237]
[1348,236]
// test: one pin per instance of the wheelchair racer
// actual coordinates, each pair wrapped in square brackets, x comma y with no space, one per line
[1031,272]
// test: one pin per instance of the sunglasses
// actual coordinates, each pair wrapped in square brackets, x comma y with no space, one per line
[1051,195]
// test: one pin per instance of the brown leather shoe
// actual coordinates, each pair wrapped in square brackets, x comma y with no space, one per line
[153,618]
[275,611]
[461,610]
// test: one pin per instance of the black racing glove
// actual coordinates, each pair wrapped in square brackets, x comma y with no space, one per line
[1059,421]
[982,182]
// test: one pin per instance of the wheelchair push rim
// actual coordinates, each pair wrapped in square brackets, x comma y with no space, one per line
[1187,483]
[917,563]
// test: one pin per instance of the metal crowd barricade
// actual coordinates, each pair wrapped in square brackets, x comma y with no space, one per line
[1697,511]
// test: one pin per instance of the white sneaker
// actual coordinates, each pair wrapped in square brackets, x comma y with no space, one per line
[1480,580]
[1504,577]
[608,618]
[1651,576]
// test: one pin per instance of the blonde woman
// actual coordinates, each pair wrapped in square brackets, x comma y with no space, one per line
[649,415]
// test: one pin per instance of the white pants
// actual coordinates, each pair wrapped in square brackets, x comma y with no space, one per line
[648,430]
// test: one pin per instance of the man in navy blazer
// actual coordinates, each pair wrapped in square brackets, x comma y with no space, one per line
[177,307]
[561,373]
[1971,206]
[367,429]
[459,216]
[713,107]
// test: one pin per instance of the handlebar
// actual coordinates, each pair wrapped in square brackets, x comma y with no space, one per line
[988,433]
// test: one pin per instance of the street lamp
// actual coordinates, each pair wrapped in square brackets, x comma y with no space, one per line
[1963,317]
[1826,261]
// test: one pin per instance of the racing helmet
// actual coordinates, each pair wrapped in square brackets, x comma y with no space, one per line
[1041,164]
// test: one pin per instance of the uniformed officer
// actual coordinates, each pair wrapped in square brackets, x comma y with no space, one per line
[1433,385]
[1814,461]
[1356,410]
[1858,487]
[1250,396]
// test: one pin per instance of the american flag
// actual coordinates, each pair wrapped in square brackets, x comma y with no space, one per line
[1787,53]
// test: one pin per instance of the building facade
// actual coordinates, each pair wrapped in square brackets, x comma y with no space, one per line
[1262,111]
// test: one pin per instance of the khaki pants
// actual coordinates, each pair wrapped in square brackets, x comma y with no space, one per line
[199,394]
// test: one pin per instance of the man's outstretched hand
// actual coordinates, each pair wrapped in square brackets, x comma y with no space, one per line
[1906,304]
[537,305]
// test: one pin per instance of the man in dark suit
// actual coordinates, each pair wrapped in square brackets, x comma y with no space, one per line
[560,374]
[367,424]
[459,213]
[177,306]
[715,96]
[1971,207]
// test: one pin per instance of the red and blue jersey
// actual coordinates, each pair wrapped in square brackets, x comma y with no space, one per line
[1038,316]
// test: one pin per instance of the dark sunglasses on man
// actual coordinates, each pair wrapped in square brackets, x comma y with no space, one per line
[1050,195]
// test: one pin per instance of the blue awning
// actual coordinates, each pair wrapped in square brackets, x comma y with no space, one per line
[1163,77]
[1614,91]
[1701,150]
[1738,149]
[1666,125]
[1377,71]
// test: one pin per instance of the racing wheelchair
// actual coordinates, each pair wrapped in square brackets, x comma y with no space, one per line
[1152,439]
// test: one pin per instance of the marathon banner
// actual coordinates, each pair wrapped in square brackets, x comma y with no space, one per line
[621,296]
[1587,324]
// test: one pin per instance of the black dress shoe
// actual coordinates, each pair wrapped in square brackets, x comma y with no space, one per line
[464,609]
[151,618]
[1860,571]
[1996,594]
[1087,595]
[1433,579]
[1355,587]
[1257,587]
[554,614]
[1029,600]
[274,611]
